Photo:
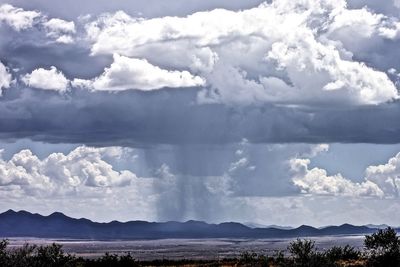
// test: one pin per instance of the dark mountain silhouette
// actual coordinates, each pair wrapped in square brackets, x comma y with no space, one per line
[58,225]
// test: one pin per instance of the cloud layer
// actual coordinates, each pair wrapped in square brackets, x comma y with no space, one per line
[239,57]
[296,63]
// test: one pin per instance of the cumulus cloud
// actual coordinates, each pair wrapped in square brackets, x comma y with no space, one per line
[387,176]
[317,181]
[60,30]
[362,24]
[82,182]
[357,21]
[309,60]
[132,73]
[252,63]
[56,25]
[368,33]
[379,181]
[47,79]
[17,18]
[5,77]
[311,65]
[62,174]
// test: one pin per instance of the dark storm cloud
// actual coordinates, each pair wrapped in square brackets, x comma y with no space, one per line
[172,117]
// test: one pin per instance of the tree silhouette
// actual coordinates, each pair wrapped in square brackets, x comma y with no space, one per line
[383,248]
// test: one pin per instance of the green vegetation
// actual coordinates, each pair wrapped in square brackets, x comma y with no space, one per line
[381,249]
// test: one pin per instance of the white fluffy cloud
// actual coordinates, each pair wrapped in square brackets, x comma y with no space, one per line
[387,176]
[82,183]
[60,30]
[63,174]
[17,18]
[47,79]
[59,25]
[317,181]
[312,66]
[379,181]
[5,77]
[132,73]
[357,22]
[361,30]
[245,58]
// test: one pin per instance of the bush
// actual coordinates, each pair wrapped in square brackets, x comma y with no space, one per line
[20,257]
[34,256]
[302,251]
[52,256]
[383,248]
[345,253]
[3,252]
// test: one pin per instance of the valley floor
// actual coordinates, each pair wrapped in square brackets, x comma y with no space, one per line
[178,249]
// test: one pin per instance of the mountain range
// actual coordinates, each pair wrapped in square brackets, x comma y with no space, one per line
[58,225]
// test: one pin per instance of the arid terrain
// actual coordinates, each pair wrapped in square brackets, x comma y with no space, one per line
[175,249]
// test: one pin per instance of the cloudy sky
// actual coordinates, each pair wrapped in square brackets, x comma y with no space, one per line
[279,112]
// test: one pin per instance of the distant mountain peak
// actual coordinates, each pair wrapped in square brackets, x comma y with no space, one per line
[57,214]
[304,226]
[59,225]
[10,211]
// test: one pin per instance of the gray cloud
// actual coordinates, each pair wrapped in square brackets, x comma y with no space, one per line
[172,117]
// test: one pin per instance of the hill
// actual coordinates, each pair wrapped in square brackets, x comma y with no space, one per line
[58,225]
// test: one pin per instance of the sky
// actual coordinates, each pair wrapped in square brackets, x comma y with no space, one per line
[280,112]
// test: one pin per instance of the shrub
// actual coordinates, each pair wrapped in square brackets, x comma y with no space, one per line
[3,252]
[52,256]
[345,253]
[34,256]
[302,251]
[383,248]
